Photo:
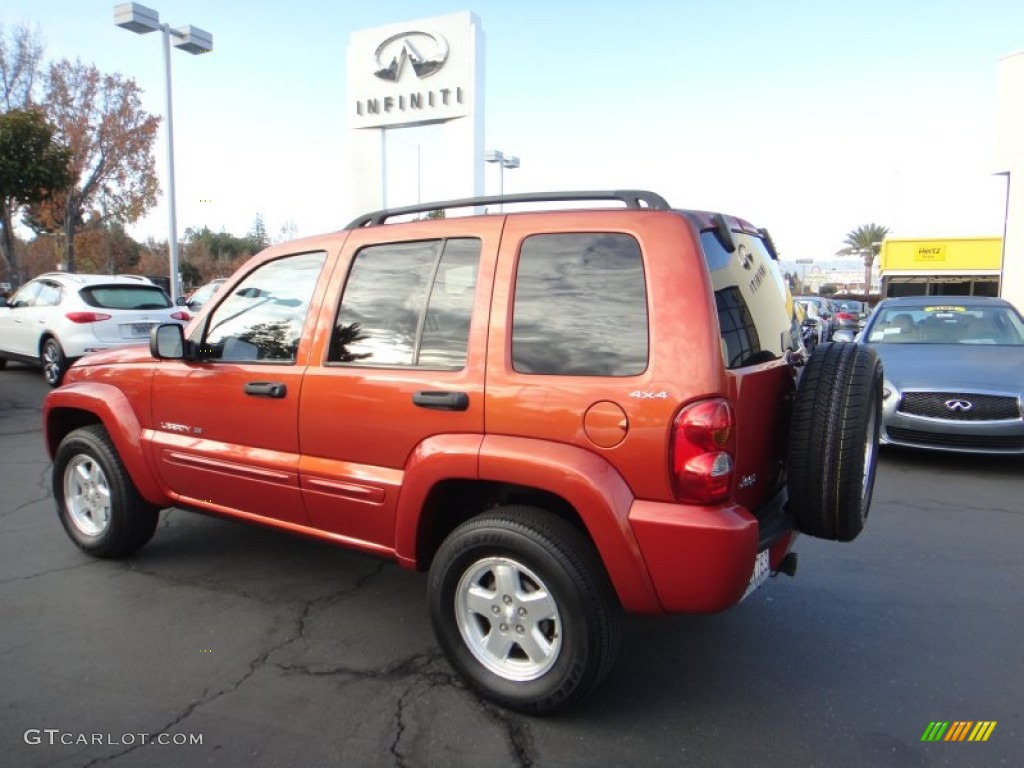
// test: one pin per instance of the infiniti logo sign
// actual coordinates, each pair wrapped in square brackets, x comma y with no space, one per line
[426,52]
[959,405]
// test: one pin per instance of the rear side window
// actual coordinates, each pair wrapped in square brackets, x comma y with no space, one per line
[739,333]
[125,297]
[580,306]
[408,304]
[754,308]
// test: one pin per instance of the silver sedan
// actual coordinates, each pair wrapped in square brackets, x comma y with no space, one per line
[954,373]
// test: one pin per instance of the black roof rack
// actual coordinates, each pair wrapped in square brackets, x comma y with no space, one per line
[633,198]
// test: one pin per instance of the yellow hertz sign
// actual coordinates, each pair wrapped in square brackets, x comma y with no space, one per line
[930,253]
[959,730]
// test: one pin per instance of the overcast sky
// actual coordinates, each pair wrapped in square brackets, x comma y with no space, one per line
[808,118]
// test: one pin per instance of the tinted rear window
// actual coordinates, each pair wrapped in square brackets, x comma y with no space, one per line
[125,297]
[580,306]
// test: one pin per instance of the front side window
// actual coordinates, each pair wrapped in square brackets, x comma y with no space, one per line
[580,306]
[26,295]
[49,294]
[262,319]
[408,304]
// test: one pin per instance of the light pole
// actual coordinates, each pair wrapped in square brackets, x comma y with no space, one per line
[503,161]
[142,20]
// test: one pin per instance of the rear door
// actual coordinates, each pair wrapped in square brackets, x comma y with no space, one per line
[404,363]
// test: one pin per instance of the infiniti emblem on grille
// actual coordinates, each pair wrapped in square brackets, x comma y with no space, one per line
[959,405]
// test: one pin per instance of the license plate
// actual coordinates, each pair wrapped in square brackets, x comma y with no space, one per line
[762,570]
[141,329]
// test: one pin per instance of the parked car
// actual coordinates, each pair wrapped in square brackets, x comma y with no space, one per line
[850,313]
[815,327]
[954,372]
[59,317]
[825,312]
[195,300]
[559,414]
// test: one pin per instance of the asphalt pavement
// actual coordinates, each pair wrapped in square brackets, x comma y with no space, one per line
[225,645]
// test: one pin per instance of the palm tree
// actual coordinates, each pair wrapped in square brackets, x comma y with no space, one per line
[866,240]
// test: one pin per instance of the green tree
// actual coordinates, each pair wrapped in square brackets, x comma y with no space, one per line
[33,166]
[865,241]
[257,237]
[827,289]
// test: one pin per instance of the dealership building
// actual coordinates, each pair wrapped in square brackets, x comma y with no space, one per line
[1010,159]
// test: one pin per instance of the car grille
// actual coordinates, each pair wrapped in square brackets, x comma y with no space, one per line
[983,407]
[965,442]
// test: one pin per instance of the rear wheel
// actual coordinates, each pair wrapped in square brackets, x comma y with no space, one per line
[523,609]
[834,434]
[98,504]
[54,362]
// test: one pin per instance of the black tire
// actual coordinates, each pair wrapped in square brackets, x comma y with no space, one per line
[833,448]
[574,631]
[97,502]
[54,362]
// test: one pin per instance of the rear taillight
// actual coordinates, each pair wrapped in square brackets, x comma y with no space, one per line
[181,315]
[848,317]
[702,462]
[86,317]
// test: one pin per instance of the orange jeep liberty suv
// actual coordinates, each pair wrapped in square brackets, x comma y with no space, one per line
[562,414]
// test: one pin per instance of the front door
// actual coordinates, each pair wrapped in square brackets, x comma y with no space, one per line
[225,431]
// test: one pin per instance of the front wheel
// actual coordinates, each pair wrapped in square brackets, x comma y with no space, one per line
[98,504]
[523,609]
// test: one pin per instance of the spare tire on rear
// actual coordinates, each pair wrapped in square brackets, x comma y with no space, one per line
[833,448]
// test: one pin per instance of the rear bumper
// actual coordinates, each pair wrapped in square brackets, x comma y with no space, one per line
[701,559]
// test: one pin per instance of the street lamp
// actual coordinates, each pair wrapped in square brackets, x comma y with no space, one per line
[497,156]
[142,20]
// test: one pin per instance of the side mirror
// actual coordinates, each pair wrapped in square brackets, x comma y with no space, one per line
[167,342]
[181,301]
[843,334]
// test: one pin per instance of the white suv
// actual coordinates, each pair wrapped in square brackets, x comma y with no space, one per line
[58,317]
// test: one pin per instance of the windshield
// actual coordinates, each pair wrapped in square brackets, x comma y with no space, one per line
[947,324]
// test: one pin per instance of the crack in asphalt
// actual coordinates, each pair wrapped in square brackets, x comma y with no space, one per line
[208,696]
[37,500]
[400,728]
[48,571]
[517,733]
